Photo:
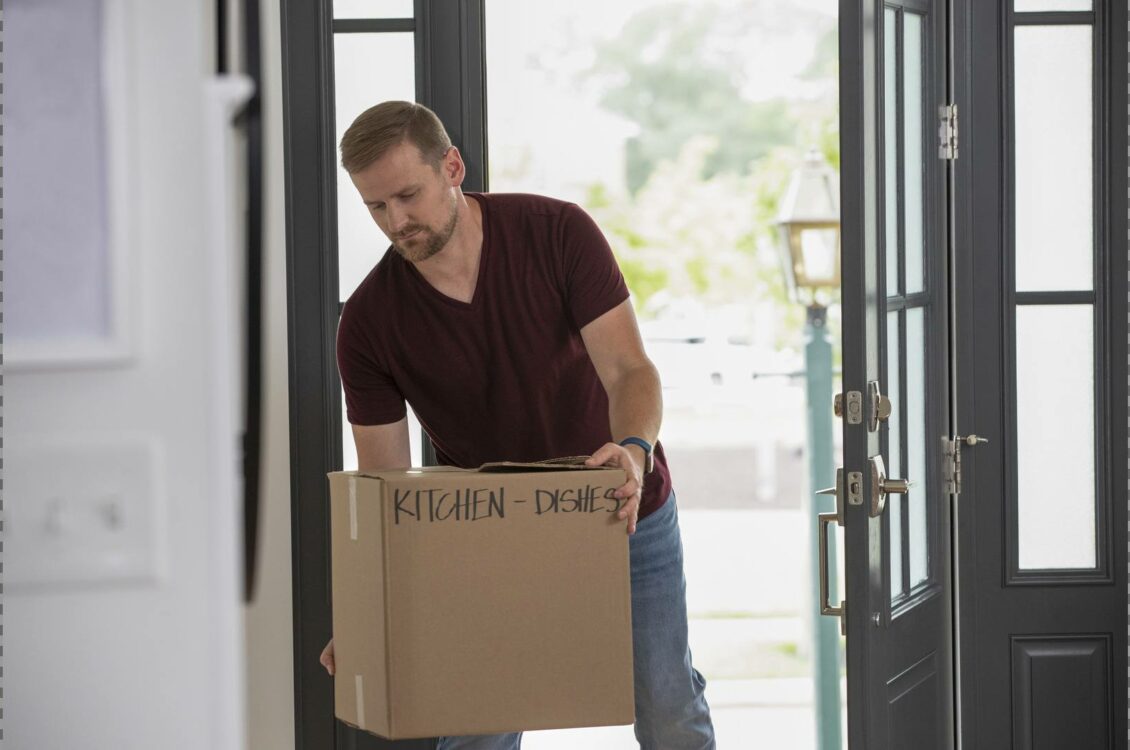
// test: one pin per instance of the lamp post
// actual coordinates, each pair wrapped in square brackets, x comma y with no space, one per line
[809,225]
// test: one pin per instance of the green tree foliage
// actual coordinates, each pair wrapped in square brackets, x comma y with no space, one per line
[706,238]
[680,70]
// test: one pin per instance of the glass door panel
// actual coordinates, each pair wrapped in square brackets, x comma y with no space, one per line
[1055,444]
[908,346]
[913,151]
[895,466]
[369,68]
[1043,6]
[921,491]
[373,8]
[890,148]
[1054,196]
[1055,516]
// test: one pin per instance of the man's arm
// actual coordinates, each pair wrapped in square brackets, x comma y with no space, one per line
[635,400]
[382,446]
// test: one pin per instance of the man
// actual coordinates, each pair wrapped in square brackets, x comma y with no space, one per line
[505,322]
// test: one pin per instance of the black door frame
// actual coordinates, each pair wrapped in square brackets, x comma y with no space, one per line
[451,80]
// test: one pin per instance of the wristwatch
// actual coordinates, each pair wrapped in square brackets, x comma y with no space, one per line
[648,449]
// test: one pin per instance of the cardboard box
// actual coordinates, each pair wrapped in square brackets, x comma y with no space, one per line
[480,601]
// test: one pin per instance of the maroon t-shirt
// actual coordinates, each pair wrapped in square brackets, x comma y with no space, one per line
[505,377]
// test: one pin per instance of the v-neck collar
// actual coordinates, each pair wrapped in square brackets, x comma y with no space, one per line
[484,255]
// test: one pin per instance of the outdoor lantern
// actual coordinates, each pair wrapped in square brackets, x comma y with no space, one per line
[809,227]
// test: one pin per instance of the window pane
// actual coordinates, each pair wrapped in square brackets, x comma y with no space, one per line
[373,9]
[368,69]
[914,161]
[1026,6]
[890,147]
[916,445]
[1053,160]
[894,449]
[1055,436]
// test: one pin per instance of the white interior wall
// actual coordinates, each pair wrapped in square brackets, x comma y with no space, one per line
[153,661]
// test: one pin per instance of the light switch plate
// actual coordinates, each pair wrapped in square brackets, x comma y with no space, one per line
[83,510]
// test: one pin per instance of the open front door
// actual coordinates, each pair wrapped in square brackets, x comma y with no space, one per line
[897,375]
[984,307]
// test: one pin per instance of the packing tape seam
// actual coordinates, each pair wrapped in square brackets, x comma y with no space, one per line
[386,591]
[359,683]
[353,508]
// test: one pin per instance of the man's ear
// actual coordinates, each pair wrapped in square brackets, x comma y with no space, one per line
[454,170]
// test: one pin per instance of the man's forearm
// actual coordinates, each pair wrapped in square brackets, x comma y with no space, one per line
[635,404]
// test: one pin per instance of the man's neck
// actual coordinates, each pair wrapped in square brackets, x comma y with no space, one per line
[454,270]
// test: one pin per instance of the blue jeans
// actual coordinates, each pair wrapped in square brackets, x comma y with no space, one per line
[671,709]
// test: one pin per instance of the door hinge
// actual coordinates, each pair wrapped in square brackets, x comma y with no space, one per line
[947,131]
[951,460]
[951,466]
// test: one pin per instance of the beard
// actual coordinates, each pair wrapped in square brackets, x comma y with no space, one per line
[426,241]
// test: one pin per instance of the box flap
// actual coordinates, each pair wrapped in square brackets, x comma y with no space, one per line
[552,464]
[564,463]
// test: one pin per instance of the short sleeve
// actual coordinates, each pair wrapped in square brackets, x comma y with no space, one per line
[593,281]
[371,394]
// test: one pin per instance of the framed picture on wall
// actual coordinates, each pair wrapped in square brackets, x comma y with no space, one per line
[68,129]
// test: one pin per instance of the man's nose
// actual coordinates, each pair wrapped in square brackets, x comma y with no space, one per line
[397,220]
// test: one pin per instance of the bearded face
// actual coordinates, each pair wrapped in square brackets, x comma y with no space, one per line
[418,242]
[414,201]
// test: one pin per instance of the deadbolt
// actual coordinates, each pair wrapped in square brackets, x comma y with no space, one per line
[880,406]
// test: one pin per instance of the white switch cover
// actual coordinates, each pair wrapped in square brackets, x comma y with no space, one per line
[83,511]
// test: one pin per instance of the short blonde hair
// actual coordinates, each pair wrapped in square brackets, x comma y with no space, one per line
[388,124]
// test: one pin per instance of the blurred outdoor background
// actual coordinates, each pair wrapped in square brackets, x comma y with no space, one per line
[677,125]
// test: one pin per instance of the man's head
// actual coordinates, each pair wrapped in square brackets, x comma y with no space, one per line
[402,163]
[378,129]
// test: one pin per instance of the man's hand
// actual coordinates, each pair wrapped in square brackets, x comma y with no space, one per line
[327,658]
[631,460]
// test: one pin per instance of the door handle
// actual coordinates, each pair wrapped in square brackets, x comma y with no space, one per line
[826,608]
[882,485]
[825,520]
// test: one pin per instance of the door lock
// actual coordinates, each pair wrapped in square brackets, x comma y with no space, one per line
[879,405]
[852,401]
[853,488]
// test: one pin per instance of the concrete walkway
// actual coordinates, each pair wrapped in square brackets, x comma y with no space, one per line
[748,715]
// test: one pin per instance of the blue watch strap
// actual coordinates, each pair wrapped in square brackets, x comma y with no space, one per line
[648,449]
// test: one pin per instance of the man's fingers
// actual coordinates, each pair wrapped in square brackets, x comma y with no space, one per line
[605,452]
[629,488]
[628,493]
